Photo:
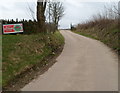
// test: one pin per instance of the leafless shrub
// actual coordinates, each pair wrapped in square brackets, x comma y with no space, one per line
[103,26]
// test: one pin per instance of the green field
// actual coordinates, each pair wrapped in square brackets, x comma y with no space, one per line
[21,52]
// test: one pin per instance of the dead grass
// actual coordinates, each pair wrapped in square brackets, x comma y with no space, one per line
[105,30]
[21,52]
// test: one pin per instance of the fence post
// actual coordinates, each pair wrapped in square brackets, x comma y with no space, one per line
[0,27]
[0,55]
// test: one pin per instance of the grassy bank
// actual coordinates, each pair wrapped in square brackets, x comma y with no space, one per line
[21,52]
[105,30]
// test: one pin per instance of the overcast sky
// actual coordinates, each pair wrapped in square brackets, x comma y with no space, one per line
[76,11]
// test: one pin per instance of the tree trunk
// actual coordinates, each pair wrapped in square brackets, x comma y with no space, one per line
[41,17]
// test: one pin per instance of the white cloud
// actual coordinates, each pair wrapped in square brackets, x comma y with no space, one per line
[92,0]
[17,1]
[76,11]
[13,10]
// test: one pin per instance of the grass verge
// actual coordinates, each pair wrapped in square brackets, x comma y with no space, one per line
[21,52]
[109,39]
[86,35]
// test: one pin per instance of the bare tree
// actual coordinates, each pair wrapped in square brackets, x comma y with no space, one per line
[41,7]
[32,13]
[56,12]
[30,9]
[112,11]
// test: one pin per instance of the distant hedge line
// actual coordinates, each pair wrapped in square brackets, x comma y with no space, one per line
[29,26]
[105,30]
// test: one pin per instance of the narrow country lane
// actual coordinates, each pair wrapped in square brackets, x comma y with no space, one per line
[84,65]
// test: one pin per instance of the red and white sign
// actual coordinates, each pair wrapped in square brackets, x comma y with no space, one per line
[12,28]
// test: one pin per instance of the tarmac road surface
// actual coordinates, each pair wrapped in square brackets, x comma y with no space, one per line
[84,65]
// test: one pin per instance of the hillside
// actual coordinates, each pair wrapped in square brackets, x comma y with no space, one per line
[105,30]
[22,52]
